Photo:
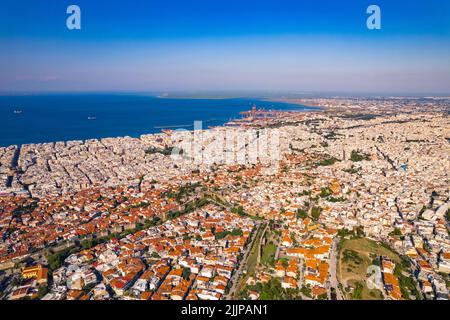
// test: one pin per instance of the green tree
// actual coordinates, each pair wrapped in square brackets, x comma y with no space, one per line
[42,291]
[236,232]
[357,292]
[306,291]
[186,273]
[325,192]
[301,214]
[356,156]
[396,232]
[315,212]
[343,232]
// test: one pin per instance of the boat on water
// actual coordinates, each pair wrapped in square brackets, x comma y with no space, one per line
[92,118]
[17,111]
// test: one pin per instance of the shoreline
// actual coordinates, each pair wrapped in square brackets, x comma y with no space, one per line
[161,128]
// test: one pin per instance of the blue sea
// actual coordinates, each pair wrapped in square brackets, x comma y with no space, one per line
[61,117]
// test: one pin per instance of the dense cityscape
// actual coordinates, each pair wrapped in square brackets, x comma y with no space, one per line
[351,203]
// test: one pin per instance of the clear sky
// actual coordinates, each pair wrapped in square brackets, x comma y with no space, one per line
[175,45]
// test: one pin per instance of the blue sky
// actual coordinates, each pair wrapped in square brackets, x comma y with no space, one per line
[282,45]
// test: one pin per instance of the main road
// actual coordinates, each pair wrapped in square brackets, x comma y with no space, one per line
[333,283]
[238,273]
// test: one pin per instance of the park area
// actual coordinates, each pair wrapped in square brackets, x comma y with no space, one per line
[355,257]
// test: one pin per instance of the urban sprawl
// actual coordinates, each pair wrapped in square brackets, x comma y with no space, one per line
[351,203]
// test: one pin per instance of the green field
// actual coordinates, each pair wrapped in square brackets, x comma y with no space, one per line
[268,254]
[355,256]
[253,255]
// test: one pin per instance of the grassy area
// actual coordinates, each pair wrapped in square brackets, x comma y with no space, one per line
[253,255]
[271,291]
[252,260]
[355,256]
[269,248]
[362,292]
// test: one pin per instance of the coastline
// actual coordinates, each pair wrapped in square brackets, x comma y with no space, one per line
[49,123]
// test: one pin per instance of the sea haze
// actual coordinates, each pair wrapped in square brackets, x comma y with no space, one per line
[62,117]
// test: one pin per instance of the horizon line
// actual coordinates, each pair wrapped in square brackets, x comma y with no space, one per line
[238,93]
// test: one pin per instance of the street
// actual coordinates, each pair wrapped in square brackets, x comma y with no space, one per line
[333,273]
[237,274]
